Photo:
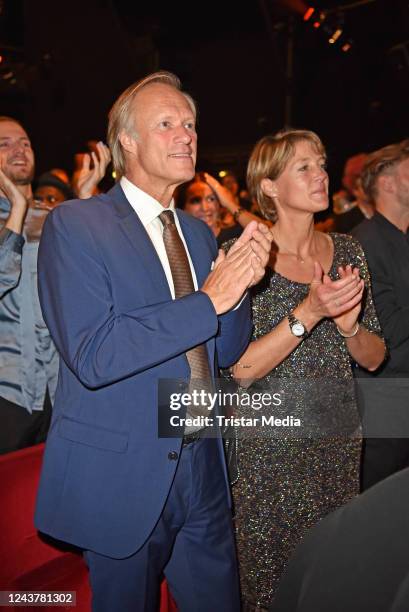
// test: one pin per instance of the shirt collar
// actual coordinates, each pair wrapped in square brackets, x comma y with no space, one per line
[145,206]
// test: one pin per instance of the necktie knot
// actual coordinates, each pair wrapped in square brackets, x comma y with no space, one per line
[167,217]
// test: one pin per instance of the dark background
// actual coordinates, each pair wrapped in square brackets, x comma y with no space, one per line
[64,62]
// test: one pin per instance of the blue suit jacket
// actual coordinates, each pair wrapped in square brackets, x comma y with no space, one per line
[106,301]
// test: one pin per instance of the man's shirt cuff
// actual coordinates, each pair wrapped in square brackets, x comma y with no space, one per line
[11,241]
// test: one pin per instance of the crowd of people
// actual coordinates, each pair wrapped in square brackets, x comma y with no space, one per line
[176,275]
[28,357]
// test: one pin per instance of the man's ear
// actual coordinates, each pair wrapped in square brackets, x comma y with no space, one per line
[128,142]
[269,188]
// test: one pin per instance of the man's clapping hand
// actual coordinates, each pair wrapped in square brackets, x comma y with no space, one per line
[259,237]
[242,267]
[18,203]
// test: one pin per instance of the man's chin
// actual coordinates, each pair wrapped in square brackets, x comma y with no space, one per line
[188,174]
[20,178]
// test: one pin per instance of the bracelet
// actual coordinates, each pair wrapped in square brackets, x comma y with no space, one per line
[354,333]
[238,212]
[241,365]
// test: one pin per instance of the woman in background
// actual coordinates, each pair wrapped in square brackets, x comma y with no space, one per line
[313,317]
[204,196]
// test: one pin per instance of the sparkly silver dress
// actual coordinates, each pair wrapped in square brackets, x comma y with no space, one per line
[287,484]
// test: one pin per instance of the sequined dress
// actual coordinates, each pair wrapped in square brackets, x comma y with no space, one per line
[287,485]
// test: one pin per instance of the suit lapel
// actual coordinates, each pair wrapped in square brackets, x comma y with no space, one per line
[138,237]
[140,241]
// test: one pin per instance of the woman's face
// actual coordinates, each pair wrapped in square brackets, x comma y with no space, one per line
[303,185]
[201,202]
[48,196]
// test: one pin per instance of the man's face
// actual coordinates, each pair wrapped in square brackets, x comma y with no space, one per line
[16,154]
[163,153]
[402,183]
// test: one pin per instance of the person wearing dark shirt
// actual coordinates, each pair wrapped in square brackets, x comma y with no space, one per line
[385,240]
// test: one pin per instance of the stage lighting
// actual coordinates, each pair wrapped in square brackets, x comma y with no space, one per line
[334,37]
[308,13]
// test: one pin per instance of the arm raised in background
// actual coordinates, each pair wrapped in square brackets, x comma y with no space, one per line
[11,239]
[87,178]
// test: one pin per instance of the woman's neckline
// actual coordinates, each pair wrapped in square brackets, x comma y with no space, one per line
[290,280]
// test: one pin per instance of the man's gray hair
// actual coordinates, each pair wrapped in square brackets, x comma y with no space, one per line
[122,115]
[380,162]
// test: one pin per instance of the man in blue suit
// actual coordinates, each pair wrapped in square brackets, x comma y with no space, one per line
[139,504]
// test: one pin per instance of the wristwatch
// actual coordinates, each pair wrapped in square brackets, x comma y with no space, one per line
[297,328]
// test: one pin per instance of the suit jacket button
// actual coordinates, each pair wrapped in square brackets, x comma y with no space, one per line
[173,456]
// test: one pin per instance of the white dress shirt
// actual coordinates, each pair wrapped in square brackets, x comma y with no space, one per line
[148,210]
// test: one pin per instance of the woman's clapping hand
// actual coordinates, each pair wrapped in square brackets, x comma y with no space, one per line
[339,299]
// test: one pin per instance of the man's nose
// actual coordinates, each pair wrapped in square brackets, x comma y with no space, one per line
[183,135]
[18,147]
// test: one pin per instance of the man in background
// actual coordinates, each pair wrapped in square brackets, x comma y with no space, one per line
[385,240]
[28,358]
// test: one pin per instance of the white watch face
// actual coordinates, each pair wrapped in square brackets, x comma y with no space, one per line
[298,329]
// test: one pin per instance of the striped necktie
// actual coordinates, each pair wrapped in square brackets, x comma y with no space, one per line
[183,283]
